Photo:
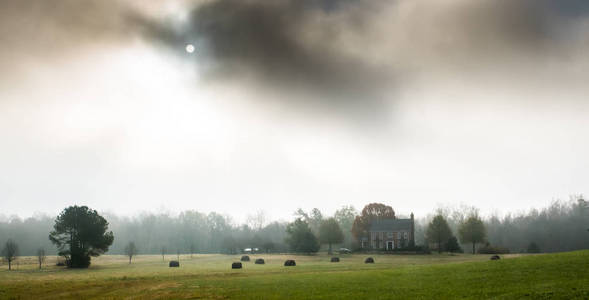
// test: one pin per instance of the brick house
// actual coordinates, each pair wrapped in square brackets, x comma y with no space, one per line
[389,234]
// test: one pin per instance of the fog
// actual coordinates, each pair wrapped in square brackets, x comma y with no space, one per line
[287,104]
[561,226]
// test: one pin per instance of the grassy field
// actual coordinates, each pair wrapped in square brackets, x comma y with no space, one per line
[563,275]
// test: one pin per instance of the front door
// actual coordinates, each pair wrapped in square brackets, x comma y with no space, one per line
[390,245]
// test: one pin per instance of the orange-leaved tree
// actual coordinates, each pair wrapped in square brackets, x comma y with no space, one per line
[371,212]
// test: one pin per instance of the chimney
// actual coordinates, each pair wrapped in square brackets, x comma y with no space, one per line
[412,238]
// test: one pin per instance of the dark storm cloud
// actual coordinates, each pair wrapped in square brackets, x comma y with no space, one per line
[341,54]
[361,51]
[286,45]
[492,30]
[300,40]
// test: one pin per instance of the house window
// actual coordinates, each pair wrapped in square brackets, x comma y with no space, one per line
[390,234]
[380,240]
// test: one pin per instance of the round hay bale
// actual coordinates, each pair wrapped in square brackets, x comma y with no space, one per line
[174,264]
[245,258]
[369,260]
[335,259]
[495,257]
[290,263]
[260,261]
[236,265]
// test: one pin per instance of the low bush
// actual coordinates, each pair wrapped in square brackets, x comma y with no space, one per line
[533,248]
[412,250]
[488,249]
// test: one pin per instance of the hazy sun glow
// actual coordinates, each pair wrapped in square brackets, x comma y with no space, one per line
[189,48]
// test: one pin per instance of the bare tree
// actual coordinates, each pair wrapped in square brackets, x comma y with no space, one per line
[10,252]
[40,257]
[345,218]
[131,250]
[257,220]
[192,248]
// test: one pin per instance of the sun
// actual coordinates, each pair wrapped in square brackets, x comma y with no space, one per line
[189,48]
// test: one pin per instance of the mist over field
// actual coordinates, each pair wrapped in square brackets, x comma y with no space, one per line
[562,226]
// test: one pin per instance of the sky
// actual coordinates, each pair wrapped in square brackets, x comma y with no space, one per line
[292,103]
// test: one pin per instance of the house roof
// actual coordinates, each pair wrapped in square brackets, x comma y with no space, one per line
[391,225]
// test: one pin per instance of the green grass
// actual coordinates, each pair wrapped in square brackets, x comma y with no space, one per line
[563,275]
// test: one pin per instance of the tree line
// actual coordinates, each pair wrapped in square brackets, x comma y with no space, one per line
[562,226]
[187,233]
